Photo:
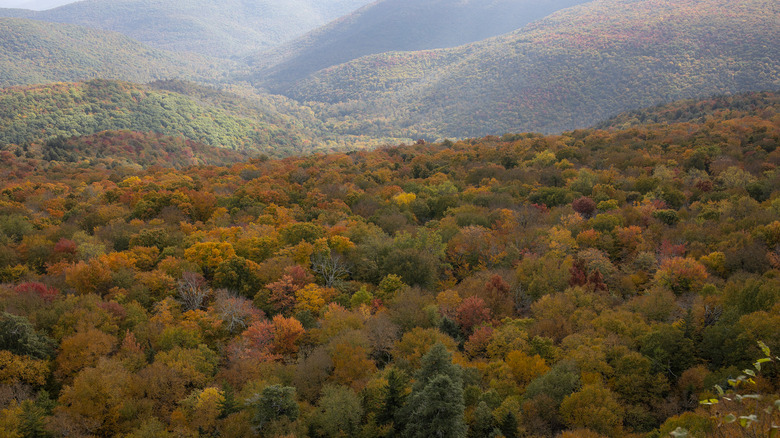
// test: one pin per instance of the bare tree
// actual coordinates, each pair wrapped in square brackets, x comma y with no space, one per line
[193,291]
[235,311]
[331,267]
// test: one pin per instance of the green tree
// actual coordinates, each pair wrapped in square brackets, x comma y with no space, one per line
[435,407]
[272,404]
[18,336]
[339,413]
[437,410]
[669,349]
[484,423]
[394,396]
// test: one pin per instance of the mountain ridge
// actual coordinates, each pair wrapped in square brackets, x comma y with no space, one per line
[569,70]
[223,28]
[395,25]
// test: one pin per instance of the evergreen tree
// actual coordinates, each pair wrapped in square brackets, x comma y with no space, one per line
[484,423]
[229,404]
[18,336]
[273,403]
[435,407]
[509,425]
[394,397]
[32,421]
[437,410]
[437,361]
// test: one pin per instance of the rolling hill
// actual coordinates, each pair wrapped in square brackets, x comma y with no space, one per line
[33,114]
[222,28]
[251,124]
[570,70]
[124,148]
[33,52]
[396,25]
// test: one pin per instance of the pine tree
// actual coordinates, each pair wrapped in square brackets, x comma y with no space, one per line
[229,404]
[394,397]
[435,407]
[437,410]
[509,425]
[437,361]
[484,423]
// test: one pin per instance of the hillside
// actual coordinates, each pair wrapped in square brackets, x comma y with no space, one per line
[594,283]
[697,110]
[127,149]
[252,124]
[30,114]
[223,28]
[570,70]
[395,25]
[33,52]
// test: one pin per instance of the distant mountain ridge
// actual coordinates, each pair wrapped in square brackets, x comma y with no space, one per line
[396,25]
[221,28]
[569,70]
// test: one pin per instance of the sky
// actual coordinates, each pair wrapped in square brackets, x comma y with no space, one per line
[37,5]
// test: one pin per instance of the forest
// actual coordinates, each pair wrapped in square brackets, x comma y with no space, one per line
[613,282]
[250,125]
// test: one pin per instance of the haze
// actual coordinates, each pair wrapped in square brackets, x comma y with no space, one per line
[36,5]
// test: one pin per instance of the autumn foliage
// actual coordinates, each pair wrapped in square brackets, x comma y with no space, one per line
[524,285]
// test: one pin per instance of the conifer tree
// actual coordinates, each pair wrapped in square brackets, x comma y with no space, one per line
[394,397]
[437,410]
[435,407]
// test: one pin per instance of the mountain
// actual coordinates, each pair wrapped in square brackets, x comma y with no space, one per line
[251,124]
[570,70]
[37,113]
[33,52]
[222,28]
[396,25]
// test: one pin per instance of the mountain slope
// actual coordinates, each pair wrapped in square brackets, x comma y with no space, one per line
[34,52]
[123,148]
[397,25]
[222,28]
[573,69]
[32,114]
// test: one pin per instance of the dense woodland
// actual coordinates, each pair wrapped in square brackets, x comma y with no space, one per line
[250,125]
[596,283]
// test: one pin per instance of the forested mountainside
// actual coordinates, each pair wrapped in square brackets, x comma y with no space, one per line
[124,148]
[596,283]
[272,125]
[36,113]
[34,52]
[393,25]
[572,69]
[220,28]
